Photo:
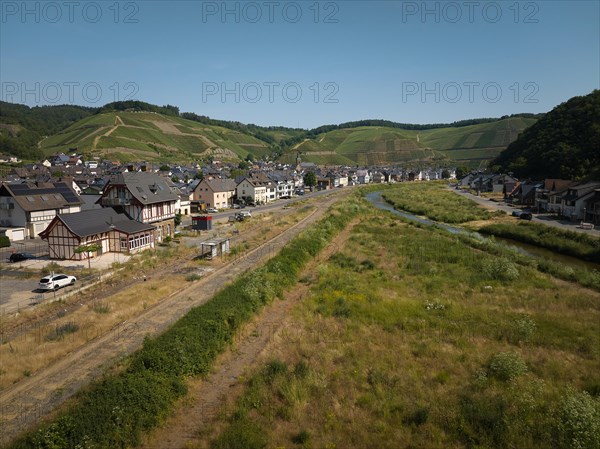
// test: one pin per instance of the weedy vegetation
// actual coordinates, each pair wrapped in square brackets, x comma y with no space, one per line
[414,337]
[433,200]
[117,410]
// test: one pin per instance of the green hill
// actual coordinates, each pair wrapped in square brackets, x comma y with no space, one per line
[133,136]
[565,143]
[22,127]
[135,130]
[372,145]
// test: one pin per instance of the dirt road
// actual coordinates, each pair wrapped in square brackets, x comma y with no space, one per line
[35,397]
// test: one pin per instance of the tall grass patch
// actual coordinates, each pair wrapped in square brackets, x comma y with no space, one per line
[434,201]
[562,241]
[414,338]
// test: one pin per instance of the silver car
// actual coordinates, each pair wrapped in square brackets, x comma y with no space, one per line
[56,281]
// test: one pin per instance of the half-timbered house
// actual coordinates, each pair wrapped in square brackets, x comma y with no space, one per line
[109,230]
[144,197]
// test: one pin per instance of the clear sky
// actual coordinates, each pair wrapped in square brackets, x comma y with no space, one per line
[304,64]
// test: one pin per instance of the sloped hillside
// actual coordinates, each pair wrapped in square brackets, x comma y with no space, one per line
[372,145]
[565,143]
[129,136]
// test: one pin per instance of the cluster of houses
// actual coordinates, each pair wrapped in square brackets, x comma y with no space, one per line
[72,203]
[573,200]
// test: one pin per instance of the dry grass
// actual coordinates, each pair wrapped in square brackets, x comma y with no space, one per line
[385,370]
[33,350]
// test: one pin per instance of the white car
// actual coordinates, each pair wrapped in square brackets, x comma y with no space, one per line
[56,281]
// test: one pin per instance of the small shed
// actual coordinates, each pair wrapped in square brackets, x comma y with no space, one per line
[214,247]
[202,223]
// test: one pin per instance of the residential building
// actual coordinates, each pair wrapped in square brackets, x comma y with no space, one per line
[575,198]
[363,177]
[591,211]
[253,189]
[109,230]
[215,192]
[548,197]
[26,209]
[284,184]
[144,197]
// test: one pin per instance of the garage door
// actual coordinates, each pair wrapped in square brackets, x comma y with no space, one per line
[17,234]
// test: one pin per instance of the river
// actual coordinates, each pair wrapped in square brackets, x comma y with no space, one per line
[377,200]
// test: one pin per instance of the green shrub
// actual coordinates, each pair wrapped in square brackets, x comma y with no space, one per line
[60,331]
[100,306]
[417,418]
[301,369]
[507,366]
[273,369]
[483,421]
[578,421]
[4,241]
[301,437]
[242,434]
[50,268]
[524,327]
[500,268]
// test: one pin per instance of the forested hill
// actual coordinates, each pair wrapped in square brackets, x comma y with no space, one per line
[565,143]
[22,127]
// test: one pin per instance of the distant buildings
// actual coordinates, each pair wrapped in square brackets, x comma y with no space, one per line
[35,198]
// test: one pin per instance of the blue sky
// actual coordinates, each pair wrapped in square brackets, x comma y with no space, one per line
[304,64]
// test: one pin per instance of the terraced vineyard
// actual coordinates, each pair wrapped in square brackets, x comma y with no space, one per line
[469,145]
[130,136]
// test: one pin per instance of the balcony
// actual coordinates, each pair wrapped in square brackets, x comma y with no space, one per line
[111,202]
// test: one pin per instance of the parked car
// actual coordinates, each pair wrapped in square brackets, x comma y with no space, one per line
[18,257]
[212,210]
[245,214]
[56,281]
[525,216]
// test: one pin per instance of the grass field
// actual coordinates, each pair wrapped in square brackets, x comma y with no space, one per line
[565,242]
[409,338]
[434,201]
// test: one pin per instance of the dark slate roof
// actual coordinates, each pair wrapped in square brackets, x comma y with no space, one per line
[43,196]
[97,221]
[147,188]
[221,185]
